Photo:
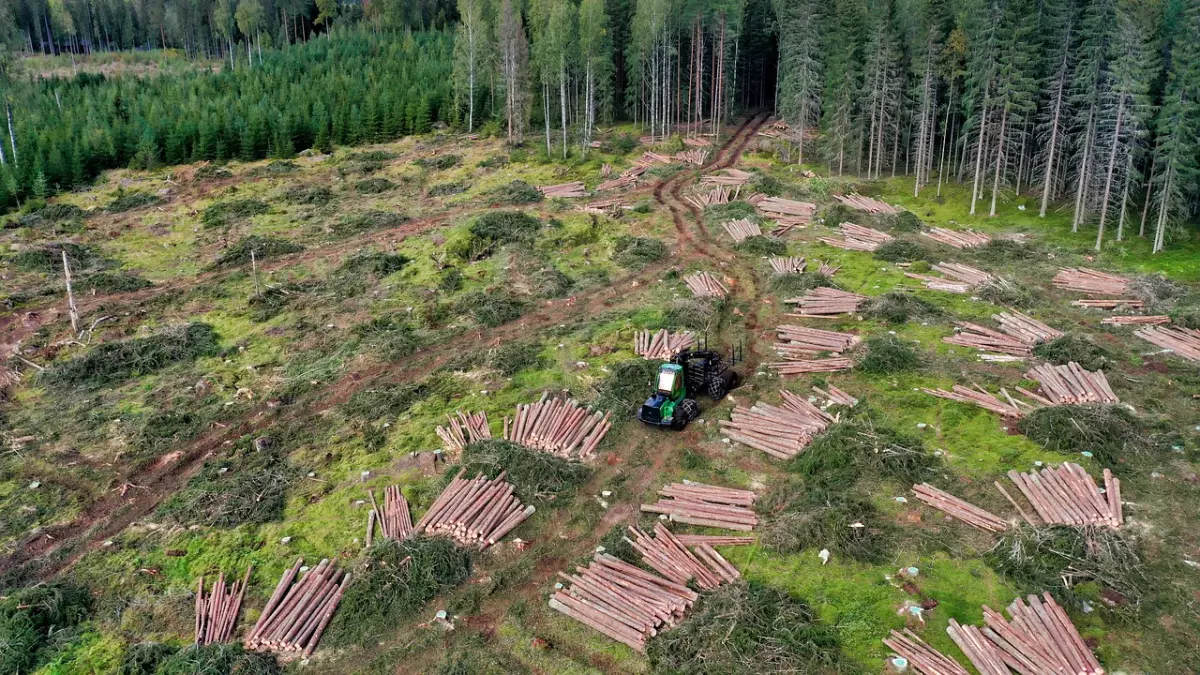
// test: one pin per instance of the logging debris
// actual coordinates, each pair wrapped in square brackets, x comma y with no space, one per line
[475,512]
[858,238]
[706,505]
[298,613]
[706,285]
[561,427]
[780,431]
[661,345]
[217,613]
[957,239]
[824,302]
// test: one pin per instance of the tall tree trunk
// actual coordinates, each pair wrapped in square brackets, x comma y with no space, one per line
[979,155]
[12,134]
[1124,199]
[562,95]
[999,161]
[1108,179]
[1149,190]
[1084,171]
[1163,205]
[1047,181]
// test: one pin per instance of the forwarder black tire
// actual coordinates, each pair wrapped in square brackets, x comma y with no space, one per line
[721,384]
[685,412]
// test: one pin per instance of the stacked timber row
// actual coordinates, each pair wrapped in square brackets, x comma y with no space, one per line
[868,204]
[1185,342]
[706,285]
[983,399]
[467,428]
[858,238]
[965,511]
[570,190]
[798,342]
[780,431]
[695,156]
[394,519]
[827,270]
[559,426]
[923,658]
[1027,328]
[787,265]
[662,345]
[824,302]
[733,177]
[956,278]
[1071,384]
[1091,282]
[297,614]
[1068,496]
[622,601]
[1018,334]
[672,559]
[612,206]
[742,229]
[1109,303]
[1155,320]
[707,505]
[216,614]
[649,159]
[775,207]
[621,181]
[697,142]
[721,194]
[837,396]
[713,540]
[957,239]
[475,512]
[831,365]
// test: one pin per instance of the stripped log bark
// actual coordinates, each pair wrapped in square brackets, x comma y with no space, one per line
[858,238]
[662,345]
[708,505]
[477,512]
[780,431]
[960,509]
[298,613]
[559,426]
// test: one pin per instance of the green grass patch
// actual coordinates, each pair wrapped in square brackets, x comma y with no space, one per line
[114,362]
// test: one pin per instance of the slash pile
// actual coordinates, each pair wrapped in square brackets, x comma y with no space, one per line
[960,278]
[468,428]
[1071,384]
[297,614]
[1156,320]
[731,177]
[1068,496]
[1183,341]
[395,520]
[706,285]
[867,204]
[672,559]
[982,399]
[706,505]
[742,229]
[476,512]
[1110,303]
[798,342]
[558,426]
[696,156]
[965,511]
[787,265]
[858,238]
[966,239]
[1091,282]
[722,194]
[1017,336]
[662,345]
[824,302]
[624,602]
[563,190]
[780,431]
[216,615]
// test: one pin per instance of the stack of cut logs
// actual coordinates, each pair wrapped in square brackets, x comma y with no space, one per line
[1185,342]
[672,559]
[837,396]
[1039,639]
[695,156]
[721,194]
[1068,496]
[706,285]
[787,224]
[957,239]
[780,130]
[621,181]
[775,207]
[1017,336]
[558,426]
[622,601]
[1071,384]
[742,229]
[395,520]
[799,342]
[1026,327]
[216,615]
[563,190]
[867,204]
[730,177]
[707,505]
[960,278]
[649,159]
[1156,320]
[475,512]
[467,428]
[610,206]
[956,508]
[827,270]
[1110,303]
[982,399]
[858,238]
[297,614]
[661,345]
[780,431]
[831,365]
[1091,282]
[696,142]
[824,302]
[787,265]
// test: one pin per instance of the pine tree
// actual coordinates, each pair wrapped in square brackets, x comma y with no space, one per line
[843,74]
[1178,128]
[1060,27]
[595,51]
[800,79]
[514,59]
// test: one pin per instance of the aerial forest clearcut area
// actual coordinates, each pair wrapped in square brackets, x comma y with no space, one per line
[599,336]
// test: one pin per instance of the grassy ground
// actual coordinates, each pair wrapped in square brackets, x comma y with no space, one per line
[379,310]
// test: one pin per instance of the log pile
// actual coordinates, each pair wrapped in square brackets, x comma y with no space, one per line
[856,201]
[713,540]
[1091,282]
[958,278]
[858,238]
[742,229]
[216,614]
[731,177]
[797,342]
[780,431]
[721,194]
[661,345]
[980,398]
[786,224]
[622,601]
[1109,303]
[559,426]
[957,508]
[695,156]
[923,658]
[649,159]
[477,512]
[611,206]
[824,302]
[832,365]
[1017,336]
[1026,328]
[780,130]
[827,270]
[957,239]
[696,142]
[1156,320]
[466,429]
[837,396]
[1071,384]
[562,191]
[1185,342]
[939,283]
[706,285]
[1068,496]
[297,614]
[787,265]
[706,505]
[671,558]
[776,207]
[621,181]
[394,519]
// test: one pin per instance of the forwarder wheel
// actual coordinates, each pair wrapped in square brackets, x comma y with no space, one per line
[685,412]
[722,384]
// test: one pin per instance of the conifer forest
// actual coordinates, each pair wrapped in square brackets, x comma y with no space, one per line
[599,337]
